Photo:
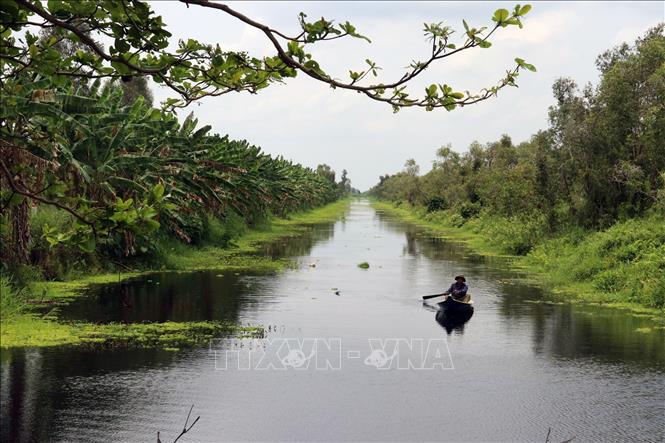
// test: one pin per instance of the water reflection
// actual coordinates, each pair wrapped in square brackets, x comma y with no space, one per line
[165,297]
[586,332]
[189,296]
[33,393]
[299,245]
[450,323]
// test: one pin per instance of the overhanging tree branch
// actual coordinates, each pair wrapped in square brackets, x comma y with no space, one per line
[198,70]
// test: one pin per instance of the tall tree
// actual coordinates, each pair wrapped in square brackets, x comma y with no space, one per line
[326,172]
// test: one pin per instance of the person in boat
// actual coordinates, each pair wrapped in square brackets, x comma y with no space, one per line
[458,289]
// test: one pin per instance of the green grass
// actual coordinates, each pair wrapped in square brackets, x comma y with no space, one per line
[49,292]
[30,330]
[622,266]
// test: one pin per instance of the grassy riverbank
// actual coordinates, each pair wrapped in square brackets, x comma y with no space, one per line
[22,326]
[622,266]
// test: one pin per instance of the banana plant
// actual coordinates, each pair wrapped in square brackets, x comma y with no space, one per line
[124,171]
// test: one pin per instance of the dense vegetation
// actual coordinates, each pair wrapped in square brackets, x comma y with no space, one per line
[584,198]
[108,179]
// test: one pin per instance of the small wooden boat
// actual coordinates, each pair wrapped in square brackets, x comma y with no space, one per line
[452,314]
[454,307]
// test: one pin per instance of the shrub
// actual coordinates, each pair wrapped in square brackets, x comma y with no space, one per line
[656,297]
[53,260]
[611,280]
[24,275]
[515,235]
[219,232]
[468,210]
[48,215]
[436,204]
[457,220]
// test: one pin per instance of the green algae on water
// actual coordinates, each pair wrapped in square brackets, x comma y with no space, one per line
[32,331]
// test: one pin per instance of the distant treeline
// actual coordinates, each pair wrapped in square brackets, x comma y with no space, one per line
[602,158]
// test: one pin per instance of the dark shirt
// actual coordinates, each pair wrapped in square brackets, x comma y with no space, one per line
[457,290]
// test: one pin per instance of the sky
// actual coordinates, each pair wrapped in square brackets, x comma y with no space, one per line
[310,123]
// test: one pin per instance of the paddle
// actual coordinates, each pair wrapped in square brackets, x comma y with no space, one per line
[426,297]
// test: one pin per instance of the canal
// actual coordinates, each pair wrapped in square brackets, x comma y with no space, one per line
[349,354]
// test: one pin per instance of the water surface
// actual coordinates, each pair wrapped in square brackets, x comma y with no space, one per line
[517,368]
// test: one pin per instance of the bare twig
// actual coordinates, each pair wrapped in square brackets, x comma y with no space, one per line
[185,429]
[547,438]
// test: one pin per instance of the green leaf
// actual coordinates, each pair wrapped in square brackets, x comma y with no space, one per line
[121,45]
[55,6]
[500,15]
[120,68]
[87,245]
[158,192]
[151,224]
[524,9]
[522,64]
[8,11]
[313,65]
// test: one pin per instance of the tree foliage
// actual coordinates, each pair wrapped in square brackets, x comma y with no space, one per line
[602,158]
[142,46]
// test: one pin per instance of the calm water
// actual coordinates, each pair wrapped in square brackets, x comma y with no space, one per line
[513,371]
